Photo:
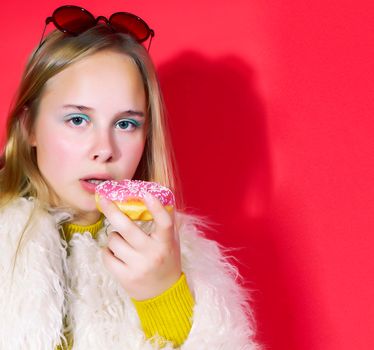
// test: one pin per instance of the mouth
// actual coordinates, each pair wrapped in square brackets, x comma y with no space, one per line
[90,182]
[94,181]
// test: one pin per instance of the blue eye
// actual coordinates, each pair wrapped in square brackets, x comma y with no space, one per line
[77,119]
[127,124]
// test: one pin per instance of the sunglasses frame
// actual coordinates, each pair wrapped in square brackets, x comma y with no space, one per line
[95,21]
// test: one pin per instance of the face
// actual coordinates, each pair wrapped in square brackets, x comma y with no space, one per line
[90,127]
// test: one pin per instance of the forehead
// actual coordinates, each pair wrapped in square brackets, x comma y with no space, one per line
[103,76]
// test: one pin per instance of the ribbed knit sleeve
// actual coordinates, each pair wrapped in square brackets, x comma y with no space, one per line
[168,315]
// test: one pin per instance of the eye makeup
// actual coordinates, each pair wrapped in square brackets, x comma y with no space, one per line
[76,119]
[124,124]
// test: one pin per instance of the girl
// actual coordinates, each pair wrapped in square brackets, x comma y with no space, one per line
[89,109]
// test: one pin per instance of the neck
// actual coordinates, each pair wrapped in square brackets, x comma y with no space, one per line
[84,219]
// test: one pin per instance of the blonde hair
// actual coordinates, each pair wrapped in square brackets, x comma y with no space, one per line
[20,175]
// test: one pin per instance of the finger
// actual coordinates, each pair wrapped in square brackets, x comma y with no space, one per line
[112,263]
[163,220]
[118,269]
[121,249]
[122,224]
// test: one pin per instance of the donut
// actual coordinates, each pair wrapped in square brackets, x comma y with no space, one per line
[128,195]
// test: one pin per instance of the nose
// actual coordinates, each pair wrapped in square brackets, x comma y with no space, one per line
[103,149]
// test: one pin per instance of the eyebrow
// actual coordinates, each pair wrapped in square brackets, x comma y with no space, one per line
[128,112]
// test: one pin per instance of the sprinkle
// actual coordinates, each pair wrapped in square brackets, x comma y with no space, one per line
[134,190]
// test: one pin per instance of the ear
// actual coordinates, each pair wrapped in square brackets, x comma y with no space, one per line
[25,127]
[32,138]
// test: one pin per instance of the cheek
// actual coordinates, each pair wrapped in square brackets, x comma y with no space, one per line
[131,154]
[53,153]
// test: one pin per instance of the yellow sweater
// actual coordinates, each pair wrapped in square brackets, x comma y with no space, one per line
[168,315]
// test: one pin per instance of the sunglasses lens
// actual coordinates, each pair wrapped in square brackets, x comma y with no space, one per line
[128,23]
[73,19]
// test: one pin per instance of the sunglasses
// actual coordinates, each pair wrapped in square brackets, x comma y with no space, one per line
[75,20]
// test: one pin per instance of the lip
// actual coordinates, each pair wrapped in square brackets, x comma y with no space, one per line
[98,176]
[90,187]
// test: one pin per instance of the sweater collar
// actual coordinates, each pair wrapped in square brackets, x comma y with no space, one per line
[70,229]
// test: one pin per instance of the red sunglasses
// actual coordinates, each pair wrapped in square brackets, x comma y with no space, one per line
[75,20]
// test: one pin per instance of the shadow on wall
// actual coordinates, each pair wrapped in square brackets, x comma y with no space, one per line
[219,133]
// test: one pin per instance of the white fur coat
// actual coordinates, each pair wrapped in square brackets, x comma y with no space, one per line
[45,283]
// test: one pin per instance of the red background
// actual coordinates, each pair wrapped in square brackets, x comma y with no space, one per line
[271,111]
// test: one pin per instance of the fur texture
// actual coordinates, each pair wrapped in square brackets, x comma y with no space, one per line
[48,281]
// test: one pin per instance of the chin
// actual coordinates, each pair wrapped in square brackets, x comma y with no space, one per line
[86,207]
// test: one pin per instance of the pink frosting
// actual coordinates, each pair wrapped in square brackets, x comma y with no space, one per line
[133,189]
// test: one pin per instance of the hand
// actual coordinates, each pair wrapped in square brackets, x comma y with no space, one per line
[145,265]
